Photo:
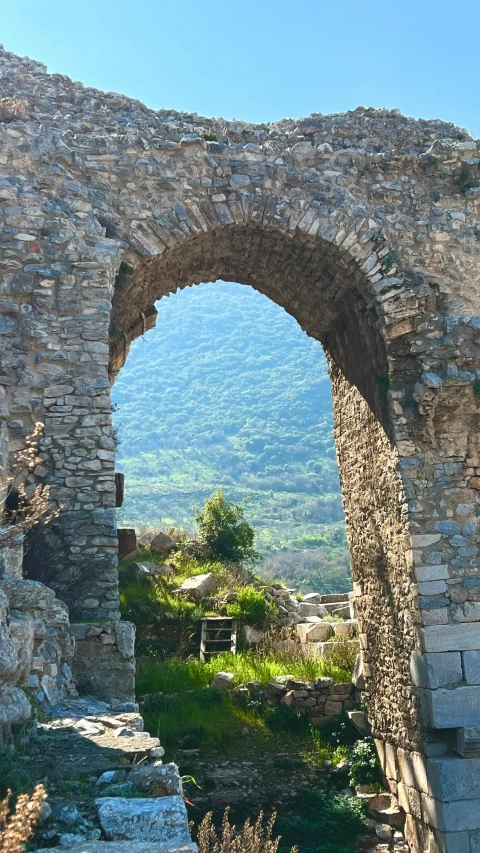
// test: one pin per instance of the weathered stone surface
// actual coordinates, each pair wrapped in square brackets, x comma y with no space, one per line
[315,632]
[452,709]
[436,670]
[14,706]
[223,681]
[158,820]
[157,780]
[199,586]
[471,664]
[162,543]
[104,663]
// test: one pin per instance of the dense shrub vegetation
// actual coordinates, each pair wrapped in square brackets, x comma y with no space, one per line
[224,530]
[228,392]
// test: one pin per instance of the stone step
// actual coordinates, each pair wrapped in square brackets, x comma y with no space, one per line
[122,847]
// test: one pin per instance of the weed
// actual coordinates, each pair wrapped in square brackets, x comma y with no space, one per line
[283,718]
[364,767]
[252,838]
[465,179]
[390,261]
[251,607]
[11,109]
[210,135]
[322,822]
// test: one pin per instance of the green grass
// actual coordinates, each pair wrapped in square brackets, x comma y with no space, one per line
[176,675]
[206,719]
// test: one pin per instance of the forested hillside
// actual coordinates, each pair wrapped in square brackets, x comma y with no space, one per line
[228,392]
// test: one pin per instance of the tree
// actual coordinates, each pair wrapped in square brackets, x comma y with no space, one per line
[224,530]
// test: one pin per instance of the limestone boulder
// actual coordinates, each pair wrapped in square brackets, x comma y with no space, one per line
[199,586]
[156,780]
[162,543]
[314,632]
[144,570]
[160,820]
[14,706]
[223,681]
[252,636]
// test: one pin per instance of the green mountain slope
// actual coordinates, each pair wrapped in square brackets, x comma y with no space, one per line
[227,391]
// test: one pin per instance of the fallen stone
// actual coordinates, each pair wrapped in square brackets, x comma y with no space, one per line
[14,706]
[199,586]
[66,813]
[223,681]
[156,780]
[163,820]
[314,632]
[162,543]
[252,636]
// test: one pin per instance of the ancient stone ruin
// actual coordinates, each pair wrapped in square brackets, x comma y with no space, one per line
[365,227]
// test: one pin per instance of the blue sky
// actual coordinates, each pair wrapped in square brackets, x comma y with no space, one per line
[261,60]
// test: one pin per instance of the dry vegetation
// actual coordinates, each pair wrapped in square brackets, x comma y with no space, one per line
[11,109]
[253,838]
[16,827]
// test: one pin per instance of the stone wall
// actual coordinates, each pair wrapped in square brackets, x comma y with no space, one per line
[364,226]
[319,700]
[104,662]
[36,653]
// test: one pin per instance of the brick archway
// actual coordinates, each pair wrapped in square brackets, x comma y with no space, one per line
[365,228]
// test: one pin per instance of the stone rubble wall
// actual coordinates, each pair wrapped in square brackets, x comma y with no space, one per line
[36,653]
[319,700]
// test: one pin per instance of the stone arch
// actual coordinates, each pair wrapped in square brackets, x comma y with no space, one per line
[330,293]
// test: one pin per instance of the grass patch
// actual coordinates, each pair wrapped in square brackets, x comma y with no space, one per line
[176,675]
[203,718]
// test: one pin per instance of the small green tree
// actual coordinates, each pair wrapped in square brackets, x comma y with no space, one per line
[224,530]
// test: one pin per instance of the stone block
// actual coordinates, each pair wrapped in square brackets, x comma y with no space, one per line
[468,742]
[463,637]
[453,709]
[199,586]
[453,778]
[453,816]
[413,770]
[314,632]
[454,842]
[435,670]
[431,573]
[162,543]
[424,540]
[223,681]
[156,780]
[160,820]
[432,587]
[471,663]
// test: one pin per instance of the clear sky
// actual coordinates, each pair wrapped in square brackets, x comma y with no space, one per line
[261,60]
